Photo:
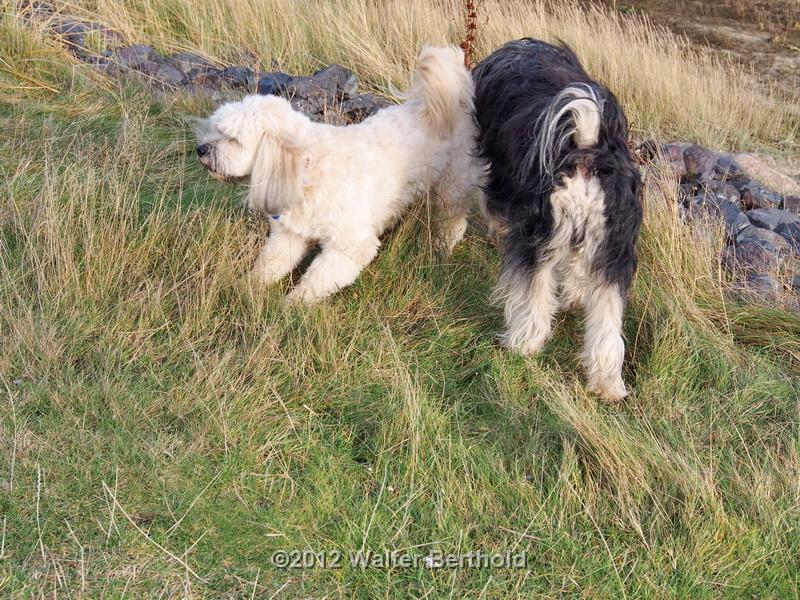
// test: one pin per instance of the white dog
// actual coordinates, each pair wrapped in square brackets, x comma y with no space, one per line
[342,187]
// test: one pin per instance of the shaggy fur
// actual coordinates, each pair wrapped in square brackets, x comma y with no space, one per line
[563,196]
[342,187]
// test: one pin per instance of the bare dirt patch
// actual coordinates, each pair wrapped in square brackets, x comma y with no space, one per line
[763,35]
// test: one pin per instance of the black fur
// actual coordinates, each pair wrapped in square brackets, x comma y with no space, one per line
[515,86]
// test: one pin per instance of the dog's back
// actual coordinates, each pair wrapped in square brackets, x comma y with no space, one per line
[540,117]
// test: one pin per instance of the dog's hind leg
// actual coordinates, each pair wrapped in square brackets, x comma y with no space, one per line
[530,304]
[604,349]
[281,253]
[455,192]
[333,270]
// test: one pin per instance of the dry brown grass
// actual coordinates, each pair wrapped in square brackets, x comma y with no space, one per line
[667,87]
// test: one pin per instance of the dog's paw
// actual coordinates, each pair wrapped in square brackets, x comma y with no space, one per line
[448,239]
[525,347]
[610,389]
[262,276]
[301,295]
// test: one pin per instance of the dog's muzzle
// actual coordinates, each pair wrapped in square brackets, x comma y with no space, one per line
[204,154]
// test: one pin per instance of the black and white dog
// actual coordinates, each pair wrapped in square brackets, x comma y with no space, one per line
[563,195]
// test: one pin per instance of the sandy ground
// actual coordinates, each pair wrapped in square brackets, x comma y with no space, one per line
[762,34]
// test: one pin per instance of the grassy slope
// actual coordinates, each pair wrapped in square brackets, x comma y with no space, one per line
[159,416]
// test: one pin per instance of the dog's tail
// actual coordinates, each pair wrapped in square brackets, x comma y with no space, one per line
[443,86]
[582,104]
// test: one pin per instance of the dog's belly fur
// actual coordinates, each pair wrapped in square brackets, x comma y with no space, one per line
[579,228]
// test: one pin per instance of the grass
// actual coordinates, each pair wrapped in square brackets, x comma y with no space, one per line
[166,428]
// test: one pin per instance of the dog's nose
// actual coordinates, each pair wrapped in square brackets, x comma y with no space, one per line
[203,149]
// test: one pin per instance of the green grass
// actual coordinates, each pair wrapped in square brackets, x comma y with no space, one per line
[166,428]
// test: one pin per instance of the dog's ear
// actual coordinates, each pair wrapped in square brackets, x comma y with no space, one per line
[280,177]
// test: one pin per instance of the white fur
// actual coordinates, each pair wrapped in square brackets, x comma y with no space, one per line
[587,114]
[342,187]
[565,278]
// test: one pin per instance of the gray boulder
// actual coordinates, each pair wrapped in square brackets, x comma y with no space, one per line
[71,33]
[727,169]
[206,78]
[791,233]
[673,155]
[713,207]
[188,63]
[361,107]
[762,287]
[792,204]
[720,190]
[241,78]
[308,96]
[770,218]
[769,240]
[700,161]
[136,56]
[337,81]
[273,83]
[750,257]
[166,73]
[754,195]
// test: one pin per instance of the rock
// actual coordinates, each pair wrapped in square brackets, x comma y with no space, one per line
[147,67]
[168,74]
[719,207]
[673,156]
[687,193]
[754,195]
[791,233]
[749,257]
[274,83]
[337,81]
[766,175]
[239,77]
[648,149]
[101,62]
[111,37]
[791,204]
[727,169]
[763,287]
[311,109]
[189,62]
[72,34]
[360,107]
[770,218]
[795,283]
[700,161]
[720,190]
[207,78]
[34,10]
[307,96]
[769,240]
[133,57]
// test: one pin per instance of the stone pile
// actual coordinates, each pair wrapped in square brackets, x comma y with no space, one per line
[329,95]
[762,225]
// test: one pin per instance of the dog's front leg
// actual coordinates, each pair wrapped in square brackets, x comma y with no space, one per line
[333,270]
[282,252]
[604,349]
[530,306]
